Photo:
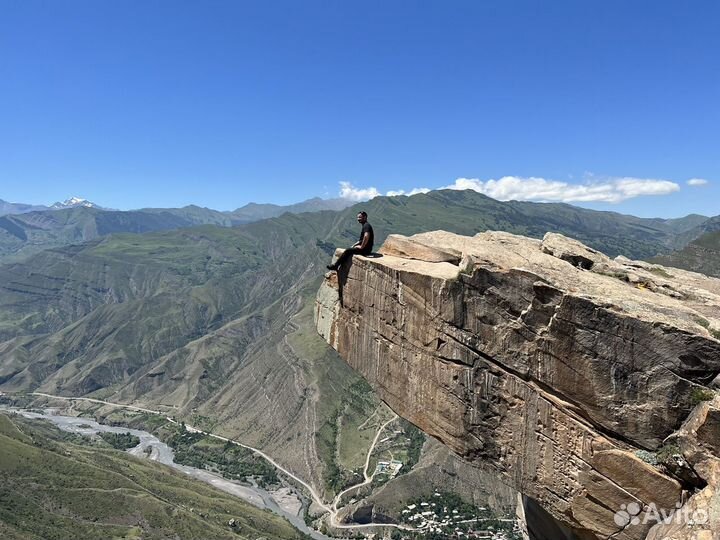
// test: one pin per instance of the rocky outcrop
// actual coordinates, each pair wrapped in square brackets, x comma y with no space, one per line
[567,372]
[695,447]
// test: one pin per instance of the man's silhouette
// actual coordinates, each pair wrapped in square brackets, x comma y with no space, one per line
[361,247]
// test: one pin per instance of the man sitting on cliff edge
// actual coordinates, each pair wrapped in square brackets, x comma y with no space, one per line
[361,247]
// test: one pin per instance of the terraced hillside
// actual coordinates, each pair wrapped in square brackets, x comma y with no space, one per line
[215,323]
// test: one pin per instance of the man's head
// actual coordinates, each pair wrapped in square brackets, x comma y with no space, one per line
[362,217]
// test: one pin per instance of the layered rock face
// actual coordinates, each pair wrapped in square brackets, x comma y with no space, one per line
[563,370]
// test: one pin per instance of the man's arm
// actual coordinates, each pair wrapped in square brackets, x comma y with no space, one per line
[365,241]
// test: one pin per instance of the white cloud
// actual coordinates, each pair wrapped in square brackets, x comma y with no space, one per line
[697,182]
[414,191]
[610,190]
[348,191]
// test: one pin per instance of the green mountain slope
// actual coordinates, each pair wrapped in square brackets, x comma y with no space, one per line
[255,212]
[468,212]
[55,489]
[701,255]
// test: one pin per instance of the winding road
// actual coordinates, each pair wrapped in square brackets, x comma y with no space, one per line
[369,478]
[332,510]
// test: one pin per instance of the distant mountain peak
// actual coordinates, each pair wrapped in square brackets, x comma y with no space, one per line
[73,202]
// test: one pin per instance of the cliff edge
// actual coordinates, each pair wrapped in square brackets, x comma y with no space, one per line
[587,383]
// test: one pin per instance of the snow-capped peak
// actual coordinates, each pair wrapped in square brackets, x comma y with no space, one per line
[73,202]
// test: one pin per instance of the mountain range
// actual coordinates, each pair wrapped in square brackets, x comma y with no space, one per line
[21,208]
[249,212]
[212,318]
[28,231]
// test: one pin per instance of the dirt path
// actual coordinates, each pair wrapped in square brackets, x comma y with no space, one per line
[368,480]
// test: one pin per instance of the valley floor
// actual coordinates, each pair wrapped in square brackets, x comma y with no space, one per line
[332,511]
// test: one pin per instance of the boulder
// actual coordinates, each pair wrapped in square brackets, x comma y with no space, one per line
[402,246]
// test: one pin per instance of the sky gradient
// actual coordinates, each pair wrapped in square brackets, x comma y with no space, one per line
[168,103]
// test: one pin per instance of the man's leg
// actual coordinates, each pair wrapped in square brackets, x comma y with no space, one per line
[343,258]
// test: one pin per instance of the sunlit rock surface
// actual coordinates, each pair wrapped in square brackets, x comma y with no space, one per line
[560,368]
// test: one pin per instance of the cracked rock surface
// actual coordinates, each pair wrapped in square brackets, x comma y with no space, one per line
[547,361]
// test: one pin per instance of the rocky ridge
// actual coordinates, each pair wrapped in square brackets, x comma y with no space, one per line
[585,382]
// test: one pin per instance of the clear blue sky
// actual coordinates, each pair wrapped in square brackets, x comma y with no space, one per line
[166,103]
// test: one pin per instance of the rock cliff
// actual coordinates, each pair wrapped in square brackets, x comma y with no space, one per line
[585,382]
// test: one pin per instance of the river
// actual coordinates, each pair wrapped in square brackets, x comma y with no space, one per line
[162,453]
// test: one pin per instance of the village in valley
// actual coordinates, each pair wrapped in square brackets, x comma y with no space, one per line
[446,515]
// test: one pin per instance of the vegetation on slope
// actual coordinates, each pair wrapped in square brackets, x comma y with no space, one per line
[52,489]
[354,407]
[701,255]
[229,460]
